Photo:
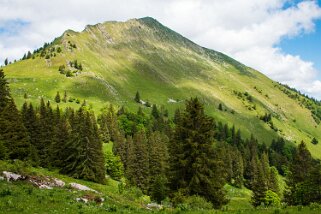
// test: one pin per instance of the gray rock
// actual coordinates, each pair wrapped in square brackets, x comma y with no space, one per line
[81,187]
[58,183]
[43,186]
[154,206]
[10,176]
[85,200]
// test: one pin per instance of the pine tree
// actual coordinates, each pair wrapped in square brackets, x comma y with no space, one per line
[297,178]
[6,61]
[57,97]
[259,186]
[12,132]
[237,169]
[138,163]
[155,113]
[85,158]
[29,55]
[137,97]
[194,166]
[65,97]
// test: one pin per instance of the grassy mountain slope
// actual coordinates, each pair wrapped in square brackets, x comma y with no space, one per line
[120,58]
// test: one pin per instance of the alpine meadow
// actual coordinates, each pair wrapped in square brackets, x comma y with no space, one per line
[132,117]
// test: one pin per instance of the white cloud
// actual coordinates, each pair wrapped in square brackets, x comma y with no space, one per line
[248,30]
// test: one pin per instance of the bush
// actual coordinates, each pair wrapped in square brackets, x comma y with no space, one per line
[133,193]
[114,166]
[272,199]
[196,202]
[193,202]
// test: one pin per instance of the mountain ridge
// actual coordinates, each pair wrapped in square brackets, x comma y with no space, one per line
[120,58]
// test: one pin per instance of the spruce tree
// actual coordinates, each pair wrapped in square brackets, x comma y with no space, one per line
[194,166]
[13,134]
[57,97]
[138,163]
[85,158]
[297,187]
[137,97]
[6,61]
[259,185]
[64,99]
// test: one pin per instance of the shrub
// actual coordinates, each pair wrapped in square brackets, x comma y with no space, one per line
[272,199]
[196,202]
[114,166]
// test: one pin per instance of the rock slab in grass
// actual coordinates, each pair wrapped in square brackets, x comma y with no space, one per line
[10,176]
[81,187]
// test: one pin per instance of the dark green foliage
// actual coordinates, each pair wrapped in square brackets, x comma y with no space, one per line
[155,113]
[85,158]
[114,166]
[137,162]
[29,55]
[303,180]
[194,166]
[259,185]
[159,189]
[3,151]
[137,97]
[64,99]
[266,117]
[6,61]
[57,97]
[314,141]
[220,107]
[62,69]
[12,132]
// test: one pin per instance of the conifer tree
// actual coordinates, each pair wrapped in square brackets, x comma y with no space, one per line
[85,158]
[138,163]
[57,97]
[6,61]
[259,186]
[155,113]
[64,99]
[194,166]
[12,132]
[137,97]
[300,169]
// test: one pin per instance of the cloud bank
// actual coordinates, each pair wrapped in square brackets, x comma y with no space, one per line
[248,30]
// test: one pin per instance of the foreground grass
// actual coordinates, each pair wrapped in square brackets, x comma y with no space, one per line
[23,197]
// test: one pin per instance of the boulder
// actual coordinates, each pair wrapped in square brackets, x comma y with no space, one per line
[43,186]
[58,183]
[85,200]
[81,187]
[153,206]
[10,176]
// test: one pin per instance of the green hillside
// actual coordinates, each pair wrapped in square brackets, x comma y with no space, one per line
[120,58]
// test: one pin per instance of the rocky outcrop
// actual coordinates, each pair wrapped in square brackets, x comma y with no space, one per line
[81,187]
[10,176]
[46,182]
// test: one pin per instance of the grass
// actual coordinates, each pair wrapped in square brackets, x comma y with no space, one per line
[120,58]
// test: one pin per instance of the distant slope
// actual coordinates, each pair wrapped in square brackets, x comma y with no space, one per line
[120,58]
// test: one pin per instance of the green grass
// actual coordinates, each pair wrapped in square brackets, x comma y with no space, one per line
[120,58]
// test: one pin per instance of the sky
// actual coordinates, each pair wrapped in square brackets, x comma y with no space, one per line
[280,38]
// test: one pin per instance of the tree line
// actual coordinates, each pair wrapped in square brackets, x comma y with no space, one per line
[186,155]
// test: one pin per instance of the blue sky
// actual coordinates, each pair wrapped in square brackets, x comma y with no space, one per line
[280,38]
[308,46]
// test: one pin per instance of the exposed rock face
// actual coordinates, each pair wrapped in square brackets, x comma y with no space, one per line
[10,176]
[81,187]
[152,206]
[46,182]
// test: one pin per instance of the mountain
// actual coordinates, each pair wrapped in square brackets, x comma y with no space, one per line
[109,62]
